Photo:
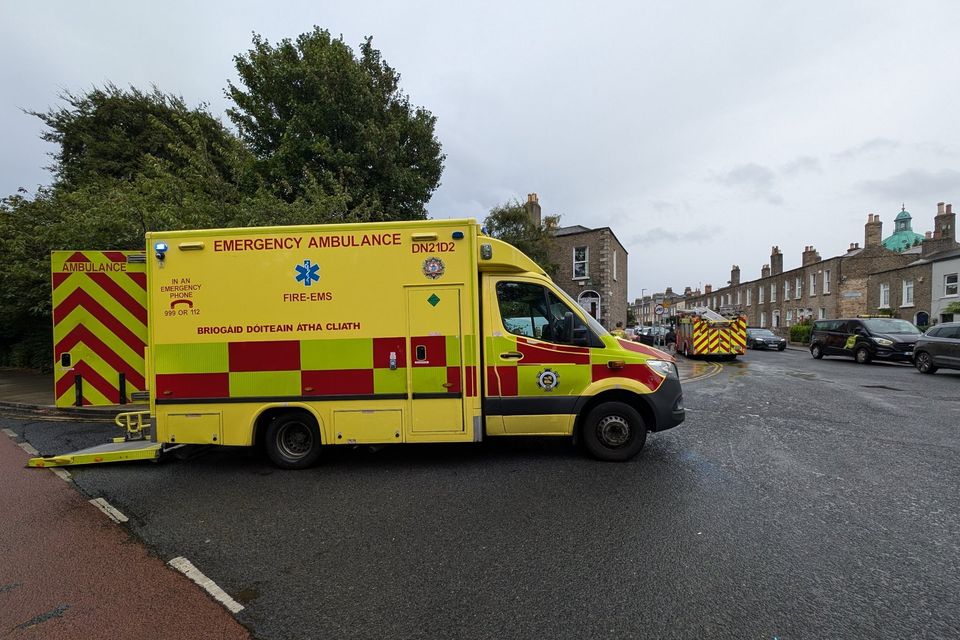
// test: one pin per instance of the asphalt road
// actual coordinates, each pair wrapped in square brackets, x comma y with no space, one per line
[800,499]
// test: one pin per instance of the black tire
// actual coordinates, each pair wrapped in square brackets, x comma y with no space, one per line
[293,440]
[613,432]
[862,355]
[781,347]
[816,351]
[924,362]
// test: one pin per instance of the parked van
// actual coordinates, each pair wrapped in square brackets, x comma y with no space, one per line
[864,339]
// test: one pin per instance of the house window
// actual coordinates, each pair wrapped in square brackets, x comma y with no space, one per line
[776,318]
[813,284]
[884,296]
[738,296]
[773,292]
[614,265]
[798,288]
[908,293]
[950,284]
[822,315]
[786,289]
[763,318]
[760,295]
[749,295]
[826,281]
[789,317]
[581,256]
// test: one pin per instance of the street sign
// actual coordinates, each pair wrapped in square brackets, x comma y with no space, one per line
[666,304]
[658,309]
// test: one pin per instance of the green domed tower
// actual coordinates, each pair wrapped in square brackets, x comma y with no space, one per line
[903,235]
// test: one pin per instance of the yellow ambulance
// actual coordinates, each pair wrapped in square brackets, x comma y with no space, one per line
[295,338]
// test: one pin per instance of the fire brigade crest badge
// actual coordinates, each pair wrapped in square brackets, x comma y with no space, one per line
[548,379]
[433,268]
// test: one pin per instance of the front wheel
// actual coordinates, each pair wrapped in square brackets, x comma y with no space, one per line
[862,355]
[613,432]
[293,440]
[924,363]
[816,351]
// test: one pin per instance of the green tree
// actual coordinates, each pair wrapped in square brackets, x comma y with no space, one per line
[511,223]
[110,134]
[318,117]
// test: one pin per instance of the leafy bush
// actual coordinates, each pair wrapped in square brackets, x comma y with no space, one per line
[800,333]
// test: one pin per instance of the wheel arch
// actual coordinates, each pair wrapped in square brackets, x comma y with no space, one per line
[635,400]
[270,413]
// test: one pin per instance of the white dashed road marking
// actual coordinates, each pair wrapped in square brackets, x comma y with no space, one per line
[10,433]
[186,567]
[63,474]
[112,513]
[26,446]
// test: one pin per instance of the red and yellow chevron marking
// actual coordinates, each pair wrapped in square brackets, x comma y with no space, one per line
[100,320]
[738,334]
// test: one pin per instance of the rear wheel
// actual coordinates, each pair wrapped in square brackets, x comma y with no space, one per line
[863,355]
[614,432]
[924,363]
[293,440]
[816,351]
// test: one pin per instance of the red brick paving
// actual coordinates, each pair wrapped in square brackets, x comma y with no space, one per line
[67,571]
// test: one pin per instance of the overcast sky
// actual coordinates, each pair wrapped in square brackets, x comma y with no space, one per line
[701,133]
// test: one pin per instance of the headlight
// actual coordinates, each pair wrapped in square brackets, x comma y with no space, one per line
[663,367]
[883,342]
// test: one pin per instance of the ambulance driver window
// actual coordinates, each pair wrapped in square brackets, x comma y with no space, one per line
[535,312]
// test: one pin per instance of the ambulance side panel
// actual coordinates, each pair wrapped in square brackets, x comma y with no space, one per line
[371,328]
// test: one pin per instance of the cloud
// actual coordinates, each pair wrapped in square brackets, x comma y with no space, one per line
[873,146]
[914,183]
[803,164]
[658,235]
[753,178]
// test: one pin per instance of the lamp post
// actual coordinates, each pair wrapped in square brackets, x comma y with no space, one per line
[643,308]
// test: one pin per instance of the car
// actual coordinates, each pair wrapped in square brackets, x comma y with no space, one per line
[938,348]
[758,338]
[864,339]
[653,335]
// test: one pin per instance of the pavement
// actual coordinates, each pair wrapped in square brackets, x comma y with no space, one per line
[69,569]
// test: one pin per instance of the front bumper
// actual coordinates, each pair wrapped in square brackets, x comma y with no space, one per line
[769,345]
[667,405]
[898,355]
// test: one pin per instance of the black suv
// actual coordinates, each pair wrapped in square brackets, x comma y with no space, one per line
[864,339]
[938,347]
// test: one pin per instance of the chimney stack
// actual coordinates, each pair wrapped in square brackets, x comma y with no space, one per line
[810,255]
[708,288]
[532,207]
[765,271]
[872,231]
[687,291]
[734,276]
[944,236]
[776,261]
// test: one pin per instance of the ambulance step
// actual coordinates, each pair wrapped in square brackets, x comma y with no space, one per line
[110,452]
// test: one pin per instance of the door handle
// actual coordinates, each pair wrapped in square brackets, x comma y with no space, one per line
[511,355]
